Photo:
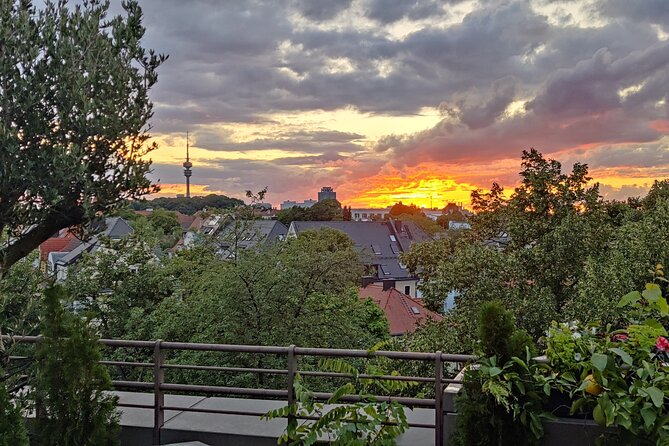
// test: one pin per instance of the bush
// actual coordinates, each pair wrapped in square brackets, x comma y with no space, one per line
[12,428]
[71,405]
[500,402]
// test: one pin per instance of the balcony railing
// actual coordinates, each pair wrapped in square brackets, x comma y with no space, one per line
[159,386]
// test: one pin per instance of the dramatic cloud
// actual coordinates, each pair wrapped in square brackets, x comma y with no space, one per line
[294,94]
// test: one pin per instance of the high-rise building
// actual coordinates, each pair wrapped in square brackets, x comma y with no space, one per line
[187,168]
[327,193]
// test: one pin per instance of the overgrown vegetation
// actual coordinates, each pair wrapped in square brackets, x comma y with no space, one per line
[71,406]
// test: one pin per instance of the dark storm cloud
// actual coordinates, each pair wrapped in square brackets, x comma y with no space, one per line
[319,10]
[243,61]
[390,11]
[305,141]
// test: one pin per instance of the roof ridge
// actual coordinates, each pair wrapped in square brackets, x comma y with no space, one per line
[406,306]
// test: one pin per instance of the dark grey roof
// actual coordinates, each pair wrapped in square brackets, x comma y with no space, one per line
[248,233]
[380,243]
[114,228]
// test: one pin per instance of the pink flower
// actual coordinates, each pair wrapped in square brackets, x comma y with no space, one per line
[662,344]
[619,337]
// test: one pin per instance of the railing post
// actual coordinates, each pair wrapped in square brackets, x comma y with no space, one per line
[158,395]
[292,370]
[438,400]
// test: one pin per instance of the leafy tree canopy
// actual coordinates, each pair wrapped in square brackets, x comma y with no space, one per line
[187,206]
[74,109]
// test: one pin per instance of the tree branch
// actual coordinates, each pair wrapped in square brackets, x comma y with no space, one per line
[56,220]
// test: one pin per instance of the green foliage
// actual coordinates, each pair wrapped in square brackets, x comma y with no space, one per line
[12,428]
[368,422]
[501,400]
[326,210]
[20,292]
[620,376]
[187,206]
[495,329]
[75,109]
[402,209]
[71,405]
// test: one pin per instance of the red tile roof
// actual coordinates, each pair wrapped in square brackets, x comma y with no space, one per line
[399,309]
[63,243]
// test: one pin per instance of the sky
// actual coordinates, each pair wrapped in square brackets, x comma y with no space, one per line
[414,101]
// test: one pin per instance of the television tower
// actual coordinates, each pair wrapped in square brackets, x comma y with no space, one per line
[187,166]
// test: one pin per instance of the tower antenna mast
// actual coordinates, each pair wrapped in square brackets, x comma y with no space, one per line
[187,168]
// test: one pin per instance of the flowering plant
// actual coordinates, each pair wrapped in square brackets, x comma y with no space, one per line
[620,376]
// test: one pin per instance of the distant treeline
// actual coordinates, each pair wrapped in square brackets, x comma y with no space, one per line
[187,206]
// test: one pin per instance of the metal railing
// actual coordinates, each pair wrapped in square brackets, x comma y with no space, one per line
[159,386]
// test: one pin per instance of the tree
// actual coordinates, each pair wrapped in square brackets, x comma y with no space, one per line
[74,108]
[327,210]
[71,405]
[188,206]
[400,209]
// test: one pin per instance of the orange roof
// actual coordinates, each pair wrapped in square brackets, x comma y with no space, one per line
[403,312]
[63,243]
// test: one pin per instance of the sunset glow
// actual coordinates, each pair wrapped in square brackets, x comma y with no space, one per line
[421,103]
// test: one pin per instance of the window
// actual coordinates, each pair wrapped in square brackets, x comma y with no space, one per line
[394,248]
[415,310]
[407,290]
[384,270]
[392,238]
[376,249]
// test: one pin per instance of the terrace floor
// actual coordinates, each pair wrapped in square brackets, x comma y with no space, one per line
[223,429]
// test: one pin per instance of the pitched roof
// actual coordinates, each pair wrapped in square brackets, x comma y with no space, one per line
[115,228]
[404,313]
[380,242]
[64,242]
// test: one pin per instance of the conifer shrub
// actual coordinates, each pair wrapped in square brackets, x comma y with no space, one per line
[72,407]
[491,409]
[12,427]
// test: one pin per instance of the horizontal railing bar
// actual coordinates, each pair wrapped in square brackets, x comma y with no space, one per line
[260,414]
[127,343]
[344,353]
[225,369]
[231,348]
[421,379]
[125,363]
[136,405]
[132,384]
[224,390]
[417,402]
[215,411]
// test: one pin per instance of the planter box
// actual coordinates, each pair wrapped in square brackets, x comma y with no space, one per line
[563,431]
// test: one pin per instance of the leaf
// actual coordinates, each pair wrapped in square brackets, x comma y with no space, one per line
[629,298]
[663,306]
[598,415]
[649,417]
[656,395]
[599,361]
[652,293]
[627,359]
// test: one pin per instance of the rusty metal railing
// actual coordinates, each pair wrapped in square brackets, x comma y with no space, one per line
[159,386]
